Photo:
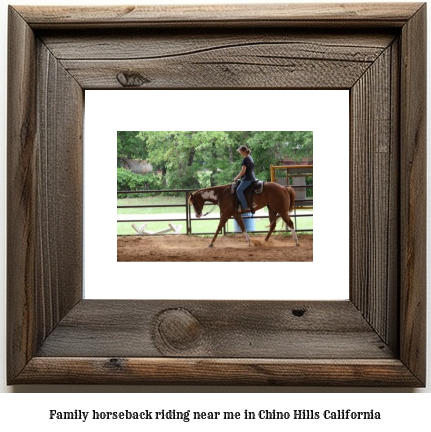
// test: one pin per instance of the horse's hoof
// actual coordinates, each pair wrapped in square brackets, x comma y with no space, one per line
[210,245]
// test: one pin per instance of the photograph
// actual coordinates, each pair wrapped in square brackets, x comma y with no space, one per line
[180,191]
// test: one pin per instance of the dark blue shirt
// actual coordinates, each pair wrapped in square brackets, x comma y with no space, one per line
[249,164]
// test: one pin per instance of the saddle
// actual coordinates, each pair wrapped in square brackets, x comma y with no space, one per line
[255,188]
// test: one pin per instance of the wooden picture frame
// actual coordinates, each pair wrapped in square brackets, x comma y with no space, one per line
[376,338]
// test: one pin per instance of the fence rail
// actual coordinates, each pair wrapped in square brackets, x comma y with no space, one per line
[189,220]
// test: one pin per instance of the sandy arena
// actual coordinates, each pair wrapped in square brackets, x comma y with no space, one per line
[229,248]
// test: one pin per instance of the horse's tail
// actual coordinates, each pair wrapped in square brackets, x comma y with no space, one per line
[292,195]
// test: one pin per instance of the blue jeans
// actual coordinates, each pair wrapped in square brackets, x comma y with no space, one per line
[240,192]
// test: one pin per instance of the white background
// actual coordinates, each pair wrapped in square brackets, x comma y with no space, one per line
[401,410]
[326,113]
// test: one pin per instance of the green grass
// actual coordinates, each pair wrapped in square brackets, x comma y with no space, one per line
[151,201]
[198,226]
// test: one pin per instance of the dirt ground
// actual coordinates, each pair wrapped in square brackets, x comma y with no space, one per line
[229,248]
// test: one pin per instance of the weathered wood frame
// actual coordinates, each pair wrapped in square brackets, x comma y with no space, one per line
[376,338]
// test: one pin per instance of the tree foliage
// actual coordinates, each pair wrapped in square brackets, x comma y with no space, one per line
[129,181]
[194,159]
[130,145]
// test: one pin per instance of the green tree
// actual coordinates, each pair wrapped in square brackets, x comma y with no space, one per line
[214,151]
[271,147]
[175,154]
[130,145]
[129,181]
[193,159]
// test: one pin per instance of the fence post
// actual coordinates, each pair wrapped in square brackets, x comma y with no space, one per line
[188,222]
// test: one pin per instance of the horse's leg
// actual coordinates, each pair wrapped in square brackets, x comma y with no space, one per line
[240,222]
[223,220]
[272,222]
[289,223]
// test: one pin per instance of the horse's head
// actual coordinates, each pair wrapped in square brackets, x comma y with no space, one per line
[197,202]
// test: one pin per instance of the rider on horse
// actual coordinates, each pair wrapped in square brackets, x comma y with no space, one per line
[247,176]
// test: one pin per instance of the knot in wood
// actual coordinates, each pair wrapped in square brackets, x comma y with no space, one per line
[298,312]
[178,329]
[115,363]
[131,79]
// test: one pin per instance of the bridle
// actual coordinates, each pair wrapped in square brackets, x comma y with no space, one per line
[200,214]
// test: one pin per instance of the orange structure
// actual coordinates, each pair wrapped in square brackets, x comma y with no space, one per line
[295,176]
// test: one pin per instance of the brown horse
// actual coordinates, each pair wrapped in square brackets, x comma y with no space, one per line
[279,200]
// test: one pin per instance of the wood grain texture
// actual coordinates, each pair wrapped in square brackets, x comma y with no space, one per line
[208,59]
[45,105]
[376,338]
[226,329]
[300,14]
[374,195]
[59,182]
[286,61]
[197,371]
[141,44]
[413,249]
[392,303]
[21,194]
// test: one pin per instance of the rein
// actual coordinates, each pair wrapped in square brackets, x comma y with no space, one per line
[207,213]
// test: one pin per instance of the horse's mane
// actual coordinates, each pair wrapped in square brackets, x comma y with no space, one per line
[211,188]
[207,189]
